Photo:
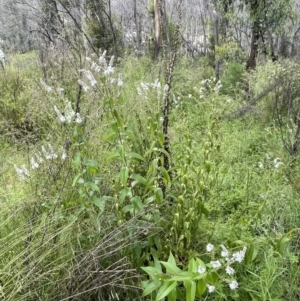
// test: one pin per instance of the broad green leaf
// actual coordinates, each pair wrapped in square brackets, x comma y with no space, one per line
[138,179]
[113,156]
[76,179]
[201,287]
[190,287]
[171,259]
[251,253]
[149,289]
[153,272]
[212,277]
[158,196]
[165,174]
[171,268]
[137,203]
[124,175]
[91,163]
[100,202]
[125,192]
[77,160]
[192,267]
[92,186]
[180,277]
[135,156]
[280,246]
[173,295]
[165,290]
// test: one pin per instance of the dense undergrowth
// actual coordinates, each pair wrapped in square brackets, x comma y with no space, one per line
[88,212]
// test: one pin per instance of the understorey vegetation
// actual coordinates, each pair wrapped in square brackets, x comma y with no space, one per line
[141,172]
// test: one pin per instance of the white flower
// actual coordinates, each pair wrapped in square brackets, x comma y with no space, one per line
[156,85]
[229,270]
[78,118]
[64,154]
[52,153]
[233,285]
[224,252]
[19,173]
[91,78]
[201,269]
[84,86]
[59,115]
[139,91]
[111,62]
[34,165]
[39,157]
[47,155]
[211,288]
[102,60]
[238,256]
[120,81]
[47,88]
[95,67]
[69,113]
[109,70]
[260,165]
[190,96]
[277,162]
[145,86]
[216,264]
[267,156]
[25,170]
[209,247]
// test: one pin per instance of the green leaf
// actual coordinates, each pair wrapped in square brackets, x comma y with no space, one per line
[280,246]
[77,160]
[124,175]
[135,156]
[212,277]
[92,186]
[192,267]
[172,295]
[251,253]
[201,287]
[137,203]
[149,289]
[113,156]
[171,268]
[118,118]
[154,273]
[158,196]
[76,179]
[165,174]
[99,202]
[190,287]
[182,276]
[165,290]
[138,179]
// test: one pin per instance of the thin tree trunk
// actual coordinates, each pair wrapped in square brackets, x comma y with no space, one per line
[251,62]
[157,41]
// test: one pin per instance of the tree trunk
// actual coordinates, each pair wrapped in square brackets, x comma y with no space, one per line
[251,62]
[157,40]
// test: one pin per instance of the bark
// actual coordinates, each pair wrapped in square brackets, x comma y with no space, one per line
[157,41]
